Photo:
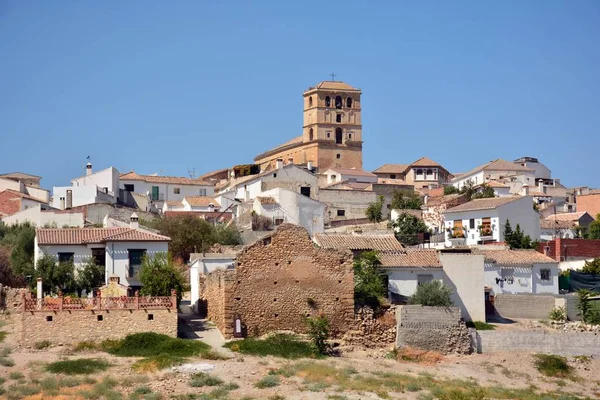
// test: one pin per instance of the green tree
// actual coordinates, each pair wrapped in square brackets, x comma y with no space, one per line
[19,239]
[7,276]
[508,232]
[190,234]
[450,190]
[374,210]
[407,227]
[159,276]
[369,283]
[593,229]
[89,276]
[517,239]
[403,200]
[592,267]
[318,331]
[56,276]
[432,293]
[485,192]
[586,311]
[468,188]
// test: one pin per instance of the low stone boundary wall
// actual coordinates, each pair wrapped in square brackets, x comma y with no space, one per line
[565,344]
[432,328]
[527,306]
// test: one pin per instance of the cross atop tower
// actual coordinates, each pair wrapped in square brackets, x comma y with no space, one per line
[332,77]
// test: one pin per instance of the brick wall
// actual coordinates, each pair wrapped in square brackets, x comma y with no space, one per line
[528,306]
[565,249]
[565,344]
[77,326]
[432,328]
[279,281]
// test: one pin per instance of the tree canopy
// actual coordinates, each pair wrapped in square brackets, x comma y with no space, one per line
[374,210]
[403,200]
[593,229]
[159,276]
[592,267]
[407,227]
[369,283]
[450,190]
[517,239]
[432,293]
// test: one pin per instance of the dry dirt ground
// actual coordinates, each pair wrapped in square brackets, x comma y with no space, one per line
[510,370]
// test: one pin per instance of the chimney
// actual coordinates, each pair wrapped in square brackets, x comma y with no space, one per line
[62,203]
[134,221]
[69,199]
[115,279]
[88,169]
[541,186]
[279,163]
[39,289]
[309,166]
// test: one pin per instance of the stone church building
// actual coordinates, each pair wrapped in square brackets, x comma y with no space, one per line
[332,132]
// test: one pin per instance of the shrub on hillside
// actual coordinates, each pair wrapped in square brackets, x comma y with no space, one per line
[432,293]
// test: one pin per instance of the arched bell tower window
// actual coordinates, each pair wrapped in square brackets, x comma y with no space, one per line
[338,136]
[327,101]
[338,101]
[310,101]
[349,102]
[310,134]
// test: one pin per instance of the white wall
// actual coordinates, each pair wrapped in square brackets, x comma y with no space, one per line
[464,274]
[205,266]
[550,234]
[502,192]
[6,184]
[473,235]
[82,195]
[166,192]
[540,286]
[293,208]
[522,282]
[404,281]
[81,252]
[39,217]
[477,178]
[106,178]
[117,257]
[354,202]
[339,177]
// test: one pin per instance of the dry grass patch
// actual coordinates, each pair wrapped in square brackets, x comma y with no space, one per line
[418,356]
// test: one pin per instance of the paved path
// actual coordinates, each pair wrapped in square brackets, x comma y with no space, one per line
[193,327]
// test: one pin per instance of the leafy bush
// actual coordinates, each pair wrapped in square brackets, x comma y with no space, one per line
[553,366]
[586,311]
[318,330]
[43,344]
[149,344]
[268,381]
[86,345]
[558,314]
[203,379]
[369,285]
[159,276]
[156,363]
[592,267]
[16,375]
[2,336]
[374,210]
[78,367]
[281,345]
[432,293]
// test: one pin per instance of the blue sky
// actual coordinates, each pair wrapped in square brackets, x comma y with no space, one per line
[166,87]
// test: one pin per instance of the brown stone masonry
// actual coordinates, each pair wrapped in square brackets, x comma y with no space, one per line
[64,321]
[278,282]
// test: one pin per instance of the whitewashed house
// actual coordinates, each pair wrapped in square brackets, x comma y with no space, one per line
[119,249]
[26,184]
[93,187]
[160,189]
[335,175]
[483,220]
[42,215]
[564,226]
[520,271]
[200,204]
[497,170]
[283,205]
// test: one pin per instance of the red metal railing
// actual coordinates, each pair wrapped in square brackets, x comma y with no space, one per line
[136,302]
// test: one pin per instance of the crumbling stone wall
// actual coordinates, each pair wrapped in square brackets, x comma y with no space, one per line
[11,299]
[372,329]
[278,282]
[70,327]
[432,328]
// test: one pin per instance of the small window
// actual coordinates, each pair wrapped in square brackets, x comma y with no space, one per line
[472,223]
[129,188]
[328,135]
[338,102]
[545,274]
[100,317]
[327,101]
[177,190]
[310,101]
[274,174]
[349,102]
[150,317]
[424,278]
[333,177]
[278,221]
[341,213]
[339,136]
[310,134]
[202,192]
[338,156]
[65,257]
[392,176]
[338,118]
[48,318]
[349,136]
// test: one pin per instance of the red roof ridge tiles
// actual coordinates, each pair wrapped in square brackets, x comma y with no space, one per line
[48,236]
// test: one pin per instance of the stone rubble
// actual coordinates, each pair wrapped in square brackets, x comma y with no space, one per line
[192,368]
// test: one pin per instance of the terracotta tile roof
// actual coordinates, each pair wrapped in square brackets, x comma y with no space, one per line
[483,204]
[352,171]
[496,184]
[357,242]
[551,224]
[171,180]
[436,201]
[514,257]
[174,203]
[496,165]
[411,258]
[391,169]
[267,200]
[571,217]
[389,181]
[201,201]
[335,85]
[21,195]
[425,162]
[46,236]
